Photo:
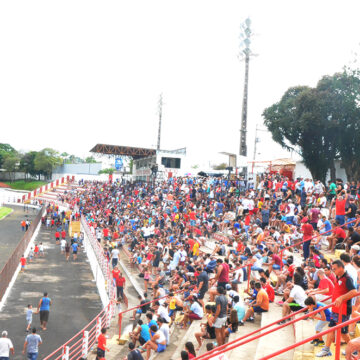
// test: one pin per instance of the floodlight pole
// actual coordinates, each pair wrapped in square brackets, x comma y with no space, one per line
[245,54]
[160,116]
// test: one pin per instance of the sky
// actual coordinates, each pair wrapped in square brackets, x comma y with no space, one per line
[77,73]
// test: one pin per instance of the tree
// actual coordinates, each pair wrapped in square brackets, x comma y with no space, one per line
[45,161]
[10,164]
[342,104]
[27,163]
[221,166]
[5,149]
[298,122]
[106,171]
[90,160]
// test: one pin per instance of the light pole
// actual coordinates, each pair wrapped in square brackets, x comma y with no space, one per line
[245,40]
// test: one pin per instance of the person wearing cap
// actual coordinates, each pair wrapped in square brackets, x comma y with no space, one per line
[6,346]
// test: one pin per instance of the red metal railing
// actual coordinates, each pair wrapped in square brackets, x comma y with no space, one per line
[240,341]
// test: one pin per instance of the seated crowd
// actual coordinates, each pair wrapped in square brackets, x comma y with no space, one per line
[279,234]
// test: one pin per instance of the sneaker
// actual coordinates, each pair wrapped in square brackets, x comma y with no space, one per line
[315,342]
[250,319]
[320,343]
[241,323]
[281,322]
[343,352]
[324,352]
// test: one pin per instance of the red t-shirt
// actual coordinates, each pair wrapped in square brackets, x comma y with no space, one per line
[270,291]
[307,230]
[340,233]
[326,283]
[106,232]
[102,342]
[57,234]
[120,281]
[191,243]
[115,273]
[340,207]
[23,261]
[63,234]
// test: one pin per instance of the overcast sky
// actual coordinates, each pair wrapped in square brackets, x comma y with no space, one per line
[76,73]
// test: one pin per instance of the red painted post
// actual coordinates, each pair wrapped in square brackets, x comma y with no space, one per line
[120,320]
[249,274]
[338,333]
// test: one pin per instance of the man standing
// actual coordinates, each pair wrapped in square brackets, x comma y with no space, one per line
[115,256]
[101,347]
[31,345]
[6,346]
[220,315]
[344,290]
[307,231]
[44,308]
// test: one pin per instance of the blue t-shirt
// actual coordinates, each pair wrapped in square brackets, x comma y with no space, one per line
[45,304]
[33,341]
[145,332]
[74,246]
[326,311]
[327,225]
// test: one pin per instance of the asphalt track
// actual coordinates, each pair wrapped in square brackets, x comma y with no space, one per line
[70,286]
[10,231]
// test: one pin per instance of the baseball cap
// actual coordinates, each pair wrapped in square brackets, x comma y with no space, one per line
[4,333]
[356,247]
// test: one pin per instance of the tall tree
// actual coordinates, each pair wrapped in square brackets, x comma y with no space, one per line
[27,163]
[45,161]
[5,149]
[296,123]
[342,106]
[11,164]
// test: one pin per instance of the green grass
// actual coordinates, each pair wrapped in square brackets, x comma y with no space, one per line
[4,211]
[26,185]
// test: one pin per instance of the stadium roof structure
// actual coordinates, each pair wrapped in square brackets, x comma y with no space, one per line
[134,152]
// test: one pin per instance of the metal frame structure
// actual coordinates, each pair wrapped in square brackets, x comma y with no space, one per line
[116,150]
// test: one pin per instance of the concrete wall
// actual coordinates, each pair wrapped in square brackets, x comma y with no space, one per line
[89,169]
[303,171]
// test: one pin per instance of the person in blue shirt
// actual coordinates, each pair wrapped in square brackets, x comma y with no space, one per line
[44,310]
[142,333]
[75,247]
[323,316]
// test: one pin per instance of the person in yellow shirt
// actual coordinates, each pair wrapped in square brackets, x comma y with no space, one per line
[260,305]
[196,249]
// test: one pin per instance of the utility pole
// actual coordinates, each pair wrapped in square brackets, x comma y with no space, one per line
[159,130]
[245,53]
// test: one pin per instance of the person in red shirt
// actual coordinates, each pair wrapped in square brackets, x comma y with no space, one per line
[268,288]
[338,236]
[308,232]
[101,347]
[326,286]
[120,284]
[36,250]
[340,204]
[23,263]
[344,291]
[57,237]
[63,234]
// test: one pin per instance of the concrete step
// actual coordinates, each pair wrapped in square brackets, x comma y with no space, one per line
[284,337]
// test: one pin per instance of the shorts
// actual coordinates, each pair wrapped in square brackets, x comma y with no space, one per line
[276,267]
[258,309]
[23,266]
[194,316]
[222,284]
[295,306]
[44,315]
[201,295]
[142,340]
[335,319]
[160,348]
[29,321]
[62,247]
[100,353]
[75,252]
[320,325]
[220,322]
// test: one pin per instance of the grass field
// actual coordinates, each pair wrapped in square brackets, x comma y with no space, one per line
[26,185]
[4,211]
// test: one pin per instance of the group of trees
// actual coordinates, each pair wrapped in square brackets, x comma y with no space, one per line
[35,163]
[322,124]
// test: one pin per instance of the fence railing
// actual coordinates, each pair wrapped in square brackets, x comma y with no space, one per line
[83,341]
[13,262]
[246,338]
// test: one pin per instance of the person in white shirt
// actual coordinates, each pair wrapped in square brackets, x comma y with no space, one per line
[296,299]
[62,245]
[164,328]
[6,346]
[162,312]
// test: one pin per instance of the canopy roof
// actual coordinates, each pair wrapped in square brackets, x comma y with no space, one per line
[134,152]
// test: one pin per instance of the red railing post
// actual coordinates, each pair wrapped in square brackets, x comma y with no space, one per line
[120,321]
[338,334]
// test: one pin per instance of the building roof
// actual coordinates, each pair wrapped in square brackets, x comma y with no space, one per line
[134,152]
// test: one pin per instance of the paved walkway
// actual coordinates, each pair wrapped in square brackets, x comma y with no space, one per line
[70,286]
[10,231]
